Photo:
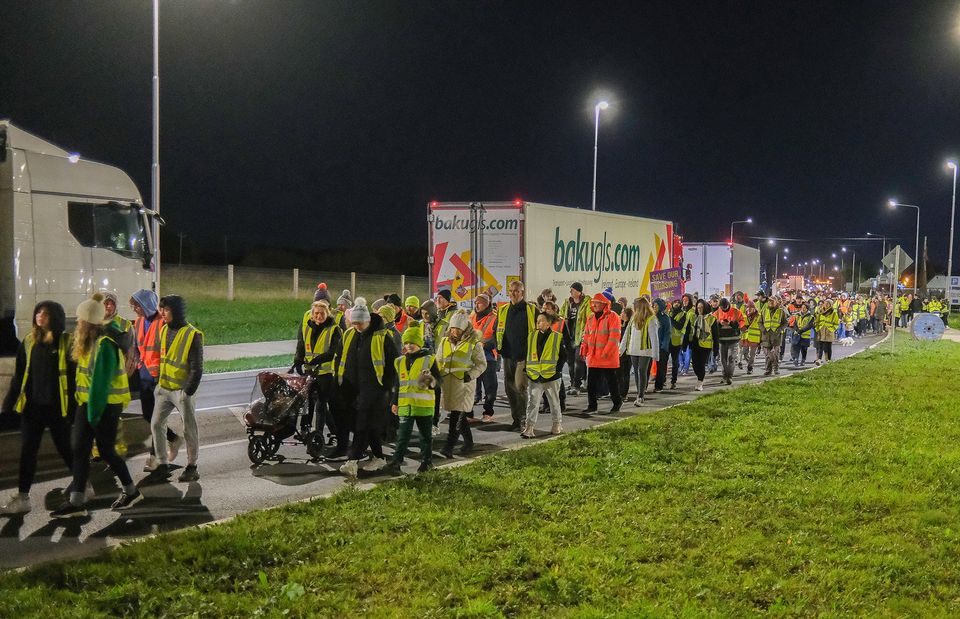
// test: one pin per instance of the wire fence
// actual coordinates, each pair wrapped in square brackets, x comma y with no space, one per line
[248,283]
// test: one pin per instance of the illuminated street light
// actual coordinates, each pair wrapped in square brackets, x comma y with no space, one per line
[602,105]
[916,248]
[952,165]
[748,220]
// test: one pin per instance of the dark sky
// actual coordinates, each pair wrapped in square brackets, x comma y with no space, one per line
[328,123]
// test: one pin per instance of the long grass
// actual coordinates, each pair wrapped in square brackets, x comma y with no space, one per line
[832,492]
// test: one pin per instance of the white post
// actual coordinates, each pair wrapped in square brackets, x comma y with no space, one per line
[229,282]
[353,284]
[893,313]
[296,283]
[155,167]
[403,287]
[953,210]
[596,137]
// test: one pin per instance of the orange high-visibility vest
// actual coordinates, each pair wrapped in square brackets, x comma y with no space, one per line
[148,345]
[484,327]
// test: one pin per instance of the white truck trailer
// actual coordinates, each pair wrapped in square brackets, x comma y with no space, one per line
[482,246]
[718,268]
[68,227]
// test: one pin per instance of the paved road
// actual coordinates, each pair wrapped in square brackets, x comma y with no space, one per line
[229,485]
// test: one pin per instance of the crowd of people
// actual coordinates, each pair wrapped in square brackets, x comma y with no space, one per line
[382,369]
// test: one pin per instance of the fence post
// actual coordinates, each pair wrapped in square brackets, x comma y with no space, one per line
[353,284]
[403,286]
[229,282]
[296,283]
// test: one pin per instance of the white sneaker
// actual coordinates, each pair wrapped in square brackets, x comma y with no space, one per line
[150,465]
[699,386]
[373,464]
[17,505]
[528,431]
[350,467]
[817,362]
[556,428]
[638,401]
[173,448]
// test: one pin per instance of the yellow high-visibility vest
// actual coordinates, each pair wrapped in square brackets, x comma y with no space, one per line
[502,310]
[173,362]
[376,354]
[119,391]
[63,348]
[545,365]
[411,393]
[455,359]
[317,346]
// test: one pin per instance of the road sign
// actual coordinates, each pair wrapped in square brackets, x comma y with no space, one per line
[891,260]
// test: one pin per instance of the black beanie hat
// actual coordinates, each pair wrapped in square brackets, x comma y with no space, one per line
[577,286]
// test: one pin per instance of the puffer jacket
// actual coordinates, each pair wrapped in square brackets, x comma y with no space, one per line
[601,338]
[455,393]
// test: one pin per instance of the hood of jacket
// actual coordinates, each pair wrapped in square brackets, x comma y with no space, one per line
[178,308]
[58,317]
[661,304]
[147,300]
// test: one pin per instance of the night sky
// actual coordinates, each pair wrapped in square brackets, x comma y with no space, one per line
[329,123]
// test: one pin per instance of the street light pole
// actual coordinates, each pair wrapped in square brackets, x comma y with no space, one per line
[916,247]
[953,209]
[155,167]
[602,105]
[748,220]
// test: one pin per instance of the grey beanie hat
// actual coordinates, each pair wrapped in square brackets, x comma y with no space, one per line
[360,311]
[345,298]
[460,320]
[377,305]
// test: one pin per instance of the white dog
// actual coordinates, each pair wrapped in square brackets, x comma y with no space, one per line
[846,341]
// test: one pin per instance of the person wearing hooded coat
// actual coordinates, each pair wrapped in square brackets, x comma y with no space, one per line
[461,361]
[663,338]
[181,368]
[366,373]
[600,348]
[42,393]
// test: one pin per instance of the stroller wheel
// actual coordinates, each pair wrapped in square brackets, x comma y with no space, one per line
[257,449]
[273,445]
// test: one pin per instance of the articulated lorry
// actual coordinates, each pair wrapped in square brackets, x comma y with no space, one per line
[480,247]
[68,227]
[718,268]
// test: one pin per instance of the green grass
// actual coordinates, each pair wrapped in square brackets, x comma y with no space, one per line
[247,363]
[246,320]
[954,320]
[833,492]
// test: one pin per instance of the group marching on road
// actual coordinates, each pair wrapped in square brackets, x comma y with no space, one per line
[383,369]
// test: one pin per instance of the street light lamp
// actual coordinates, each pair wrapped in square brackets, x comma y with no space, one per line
[893,204]
[602,105]
[953,209]
[748,220]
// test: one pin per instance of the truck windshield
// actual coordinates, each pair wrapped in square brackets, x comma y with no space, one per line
[108,225]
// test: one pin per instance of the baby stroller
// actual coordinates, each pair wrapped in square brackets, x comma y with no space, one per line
[274,416]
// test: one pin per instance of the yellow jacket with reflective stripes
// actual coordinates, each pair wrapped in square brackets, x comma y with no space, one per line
[174,366]
[119,390]
[502,310]
[411,395]
[543,365]
[317,346]
[63,389]
[376,353]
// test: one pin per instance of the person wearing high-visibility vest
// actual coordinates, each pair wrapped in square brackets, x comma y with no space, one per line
[773,321]
[803,328]
[546,355]
[703,340]
[825,324]
[103,391]
[146,330]
[41,393]
[574,312]
[461,361]
[181,368]
[366,373]
[484,321]
[515,321]
[728,337]
[688,305]
[601,350]
[417,375]
[126,339]
[445,309]
[679,326]
[319,342]
[340,316]
[750,334]
[905,314]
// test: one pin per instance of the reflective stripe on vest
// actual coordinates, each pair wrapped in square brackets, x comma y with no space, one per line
[174,365]
[772,320]
[411,393]
[752,331]
[318,346]
[456,360]
[119,391]
[62,387]
[676,334]
[149,345]
[485,327]
[376,354]
[803,321]
[502,310]
[546,366]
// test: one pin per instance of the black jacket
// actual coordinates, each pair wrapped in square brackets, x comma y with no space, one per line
[564,343]
[336,343]
[359,378]
[178,308]
[42,386]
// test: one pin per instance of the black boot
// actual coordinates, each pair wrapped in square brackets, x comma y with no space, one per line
[467,433]
[452,431]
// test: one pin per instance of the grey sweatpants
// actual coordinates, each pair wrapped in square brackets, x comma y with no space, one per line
[166,402]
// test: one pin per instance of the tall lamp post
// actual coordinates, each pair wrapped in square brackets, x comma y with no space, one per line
[155,167]
[916,248]
[602,105]
[953,209]
[748,220]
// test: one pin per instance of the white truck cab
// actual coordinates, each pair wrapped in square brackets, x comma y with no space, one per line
[68,227]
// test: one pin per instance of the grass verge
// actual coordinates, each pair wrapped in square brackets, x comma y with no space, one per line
[831,492]
[247,363]
[954,320]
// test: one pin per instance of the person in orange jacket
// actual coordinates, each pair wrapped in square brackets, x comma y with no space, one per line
[600,348]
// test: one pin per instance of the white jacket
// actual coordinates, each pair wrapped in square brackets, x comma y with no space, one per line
[632,345]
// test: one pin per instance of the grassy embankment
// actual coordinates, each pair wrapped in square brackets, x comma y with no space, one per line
[831,492]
